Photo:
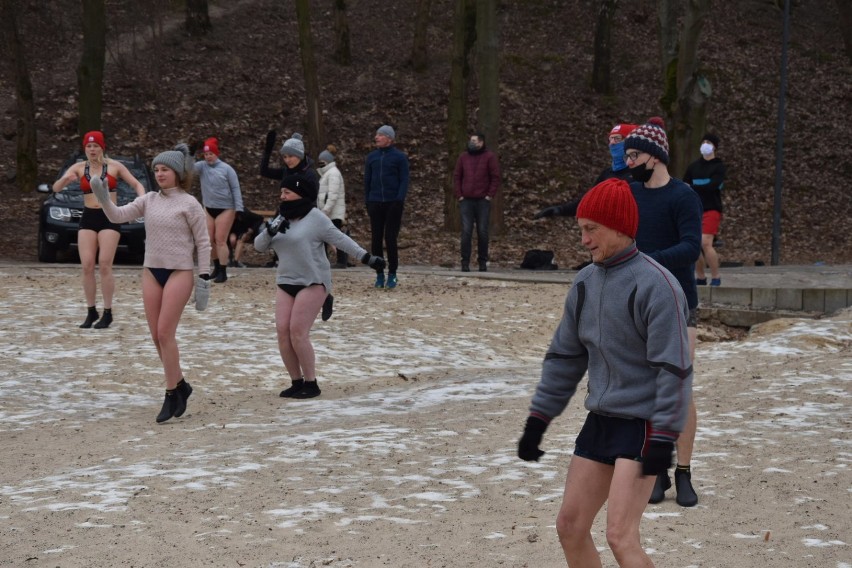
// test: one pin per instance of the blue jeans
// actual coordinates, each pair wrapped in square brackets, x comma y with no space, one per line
[474,211]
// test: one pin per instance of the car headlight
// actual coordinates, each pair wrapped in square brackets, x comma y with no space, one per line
[60,214]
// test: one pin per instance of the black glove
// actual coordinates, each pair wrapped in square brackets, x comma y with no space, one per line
[270,141]
[278,225]
[548,212]
[375,262]
[533,432]
[657,458]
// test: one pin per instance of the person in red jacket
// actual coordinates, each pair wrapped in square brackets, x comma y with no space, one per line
[475,181]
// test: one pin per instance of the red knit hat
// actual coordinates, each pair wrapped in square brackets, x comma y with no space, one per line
[95,136]
[611,204]
[622,130]
[211,145]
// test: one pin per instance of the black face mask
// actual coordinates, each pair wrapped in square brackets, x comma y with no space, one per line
[297,208]
[641,173]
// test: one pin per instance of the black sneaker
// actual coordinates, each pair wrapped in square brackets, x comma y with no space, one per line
[483,267]
[222,276]
[170,406]
[105,320]
[309,390]
[465,267]
[327,307]
[294,388]
[686,496]
[184,389]
[660,486]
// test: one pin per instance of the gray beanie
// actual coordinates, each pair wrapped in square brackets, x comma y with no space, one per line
[326,156]
[387,131]
[178,159]
[294,146]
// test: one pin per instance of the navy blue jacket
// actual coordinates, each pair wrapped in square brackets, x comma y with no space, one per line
[386,175]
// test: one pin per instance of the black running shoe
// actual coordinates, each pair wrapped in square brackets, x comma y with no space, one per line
[660,486]
[290,391]
[686,496]
[309,390]
[184,389]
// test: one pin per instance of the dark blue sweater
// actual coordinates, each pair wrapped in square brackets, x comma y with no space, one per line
[670,230]
[386,175]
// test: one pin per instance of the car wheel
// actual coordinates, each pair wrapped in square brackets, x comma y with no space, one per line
[46,251]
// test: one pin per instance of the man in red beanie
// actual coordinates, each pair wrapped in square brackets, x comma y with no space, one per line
[624,323]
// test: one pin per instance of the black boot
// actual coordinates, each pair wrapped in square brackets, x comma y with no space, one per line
[216,269]
[170,406]
[91,318]
[184,389]
[686,496]
[295,387]
[105,320]
[660,486]
[222,276]
[309,390]
[327,307]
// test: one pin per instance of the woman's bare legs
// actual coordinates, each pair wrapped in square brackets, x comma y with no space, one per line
[163,309]
[87,247]
[294,318]
[107,244]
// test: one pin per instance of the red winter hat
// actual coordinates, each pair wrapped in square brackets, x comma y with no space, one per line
[622,129]
[611,204]
[95,136]
[211,145]
[650,138]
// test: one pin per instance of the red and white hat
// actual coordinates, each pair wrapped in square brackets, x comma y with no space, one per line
[95,136]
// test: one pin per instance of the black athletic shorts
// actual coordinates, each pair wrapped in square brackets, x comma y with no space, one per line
[96,220]
[606,438]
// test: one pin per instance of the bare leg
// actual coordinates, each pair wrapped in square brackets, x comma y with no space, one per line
[628,496]
[87,247]
[710,255]
[107,243]
[294,318]
[163,310]
[221,231]
[586,489]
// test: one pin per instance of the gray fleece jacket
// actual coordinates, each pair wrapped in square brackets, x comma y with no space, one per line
[301,253]
[624,322]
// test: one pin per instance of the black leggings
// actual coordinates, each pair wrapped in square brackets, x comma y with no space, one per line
[385,222]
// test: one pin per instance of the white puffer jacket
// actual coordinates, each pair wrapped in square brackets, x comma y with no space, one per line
[332,193]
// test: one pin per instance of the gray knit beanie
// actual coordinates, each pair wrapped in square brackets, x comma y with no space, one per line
[387,130]
[294,146]
[179,160]
[326,156]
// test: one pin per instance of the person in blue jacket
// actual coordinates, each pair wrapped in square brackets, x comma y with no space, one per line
[385,188]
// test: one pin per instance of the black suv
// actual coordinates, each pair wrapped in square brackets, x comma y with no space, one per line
[59,217]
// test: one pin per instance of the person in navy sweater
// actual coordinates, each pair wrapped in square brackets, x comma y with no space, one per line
[707,176]
[670,233]
[385,188]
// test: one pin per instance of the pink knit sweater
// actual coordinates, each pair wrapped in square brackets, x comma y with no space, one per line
[175,227]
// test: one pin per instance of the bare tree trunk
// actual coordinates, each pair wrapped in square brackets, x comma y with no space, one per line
[601,81]
[464,35]
[316,130]
[197,21]
[687,91]
[845,9]
[342,49]
[488,72]
[420,46]
[90,72]
[26,156]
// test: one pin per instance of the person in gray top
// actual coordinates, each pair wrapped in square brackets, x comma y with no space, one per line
[298,235]
[222,200]
[624,323]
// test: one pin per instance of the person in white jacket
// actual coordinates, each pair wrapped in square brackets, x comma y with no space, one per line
[332,196]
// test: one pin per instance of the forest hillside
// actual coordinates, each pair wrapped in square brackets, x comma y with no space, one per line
[245,77]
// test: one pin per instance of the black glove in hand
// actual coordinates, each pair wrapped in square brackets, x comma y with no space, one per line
[270,141]
[375,262]
[657,458]
[278,225]
[528,445]
[547,212]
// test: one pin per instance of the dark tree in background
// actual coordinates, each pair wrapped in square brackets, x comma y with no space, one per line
[686,91]
[845,9]
[197,21]
[488,73]
[464,36]
[26,164]
[316,130]
[90,72]
[419,47]
[342,50]
[601,82]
